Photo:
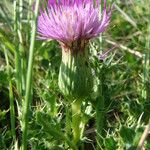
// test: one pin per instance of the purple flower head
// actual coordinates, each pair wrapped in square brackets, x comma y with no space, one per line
[72,22]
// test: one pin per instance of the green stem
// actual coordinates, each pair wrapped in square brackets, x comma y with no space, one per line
[100,101]
[29,18]
[68,121]
[17,53]
[29,80]
[100,105]
[145,91]
[11,97]
[76,120]
[99,119]
[21,47]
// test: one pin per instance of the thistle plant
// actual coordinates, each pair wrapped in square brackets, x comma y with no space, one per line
[73,23]
[33,112]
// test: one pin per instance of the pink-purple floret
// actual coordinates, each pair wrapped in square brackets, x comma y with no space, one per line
[72,20]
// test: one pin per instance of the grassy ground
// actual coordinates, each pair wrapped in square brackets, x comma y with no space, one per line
[123,74]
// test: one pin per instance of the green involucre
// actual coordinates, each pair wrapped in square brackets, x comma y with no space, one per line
[75,78]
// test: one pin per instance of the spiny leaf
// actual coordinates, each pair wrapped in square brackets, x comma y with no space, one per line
[50,129]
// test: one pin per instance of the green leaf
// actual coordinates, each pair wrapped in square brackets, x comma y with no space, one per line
[110,144]
[137,137]
[44,121]
[127,134]
[5,39]
[2,114]
[3,78]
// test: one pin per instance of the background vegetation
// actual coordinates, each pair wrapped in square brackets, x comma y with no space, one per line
[124,75]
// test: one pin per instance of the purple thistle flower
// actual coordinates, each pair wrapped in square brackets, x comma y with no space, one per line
[72,22]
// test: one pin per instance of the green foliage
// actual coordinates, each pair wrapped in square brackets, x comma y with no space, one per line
[3,78]
[110,143]
[52,129]
[123,76]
